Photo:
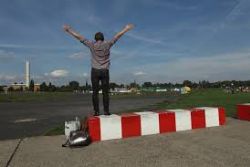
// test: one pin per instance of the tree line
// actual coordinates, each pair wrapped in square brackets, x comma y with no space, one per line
[75,85]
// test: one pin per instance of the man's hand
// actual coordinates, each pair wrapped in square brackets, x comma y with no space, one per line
[66,28]
[125,29]
[69,30]
[129,27]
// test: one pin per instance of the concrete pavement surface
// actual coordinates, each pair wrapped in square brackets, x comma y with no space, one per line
[226,146]
[6,150]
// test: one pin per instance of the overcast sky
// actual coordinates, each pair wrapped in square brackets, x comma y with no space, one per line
[173,40]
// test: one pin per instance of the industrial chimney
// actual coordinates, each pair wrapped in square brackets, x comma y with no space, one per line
[27,74]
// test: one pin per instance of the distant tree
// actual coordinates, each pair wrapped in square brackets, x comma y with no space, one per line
[113,85]
[10,89]
[248,83]
[31,86]
[178,85]
[51,87]
[74,85]
[43,87]
[204,84]
[194,85]
[22,88]
[187,83]
[134,85]
[1,88]
[147,84]
[165,85]
[63,88]
[87,86]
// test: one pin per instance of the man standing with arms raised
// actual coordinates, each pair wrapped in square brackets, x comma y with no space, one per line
[100,61]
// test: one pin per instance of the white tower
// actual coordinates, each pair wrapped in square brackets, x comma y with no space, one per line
[27,73]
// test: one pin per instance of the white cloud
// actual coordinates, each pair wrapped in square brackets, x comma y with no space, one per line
[6,56]
[77,56]
[144,38]
[139,73]
[11,46]
[231,66]
[30,46]
[58,73]
[93,19]
[85,74]
[8,77]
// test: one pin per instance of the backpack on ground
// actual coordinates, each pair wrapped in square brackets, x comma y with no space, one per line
[76,134]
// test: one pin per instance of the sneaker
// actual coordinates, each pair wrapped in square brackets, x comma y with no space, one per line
[96,114]
[107,113]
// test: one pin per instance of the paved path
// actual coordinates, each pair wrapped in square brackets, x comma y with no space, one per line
[226,146]
[35,118]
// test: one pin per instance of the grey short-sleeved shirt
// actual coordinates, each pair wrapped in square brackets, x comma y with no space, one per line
[100,52]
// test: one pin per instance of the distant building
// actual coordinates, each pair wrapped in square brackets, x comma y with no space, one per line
[185,90]
[161,90]
[134,90]
[18,86]
[122,90]
[22,86]
[27,73]
[176,89]
[37,87]
[148,89]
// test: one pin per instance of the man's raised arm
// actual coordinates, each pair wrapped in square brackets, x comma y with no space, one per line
[124,30]
[69,30]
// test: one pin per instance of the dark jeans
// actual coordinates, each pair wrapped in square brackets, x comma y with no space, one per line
[98,75]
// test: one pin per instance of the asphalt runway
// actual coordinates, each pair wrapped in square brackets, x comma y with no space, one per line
[27,119]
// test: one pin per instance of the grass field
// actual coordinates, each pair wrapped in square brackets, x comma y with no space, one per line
[209,98]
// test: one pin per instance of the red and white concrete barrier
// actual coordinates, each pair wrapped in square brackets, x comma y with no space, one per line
[214,116]
[149,122]
[243,111]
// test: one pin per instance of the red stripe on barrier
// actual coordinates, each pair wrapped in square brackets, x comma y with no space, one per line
[167,122]
[222,116]
[243,112]
[131,125]
[198,118]
[94,128]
